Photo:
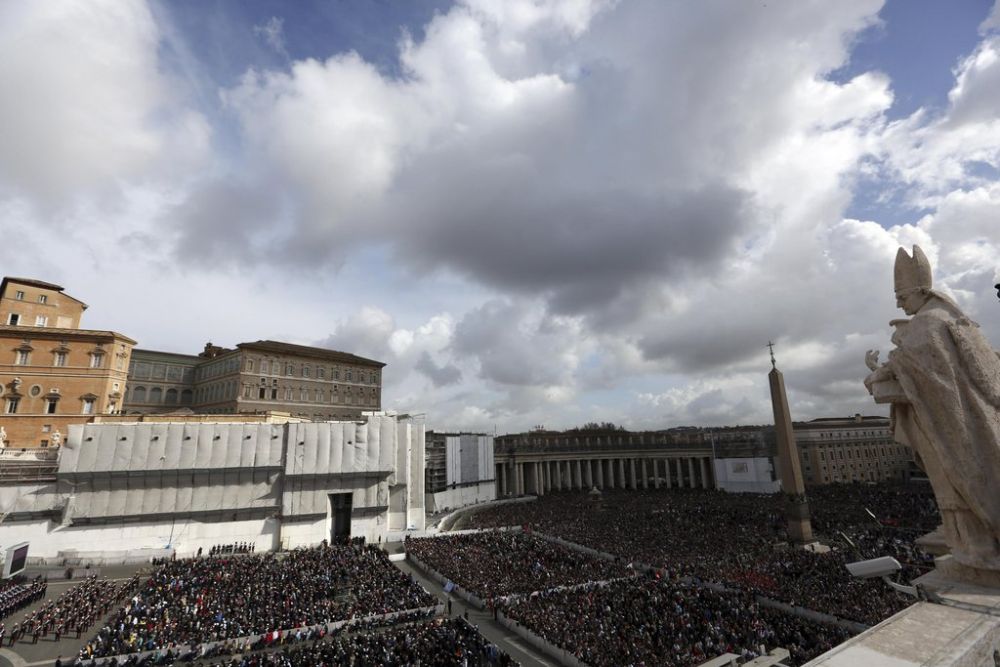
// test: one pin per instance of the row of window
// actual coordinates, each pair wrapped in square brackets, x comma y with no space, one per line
[59,358]
[272,393]
[19,295]
[157,395]
[855,434]
[14,319]
[274,367]
[141,370]
[217,368]
[13,403]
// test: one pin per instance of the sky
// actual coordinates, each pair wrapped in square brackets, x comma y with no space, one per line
[536,213]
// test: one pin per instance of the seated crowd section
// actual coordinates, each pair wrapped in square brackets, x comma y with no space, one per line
[441,642]
[496,564]
[732,539]
[714,554]
[193,601]
[649,621]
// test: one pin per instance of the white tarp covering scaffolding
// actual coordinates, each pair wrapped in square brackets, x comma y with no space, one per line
[172,446]
[144,485]
[138,469]
[468,459]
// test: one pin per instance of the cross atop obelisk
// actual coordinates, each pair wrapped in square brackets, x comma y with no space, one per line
[796,505]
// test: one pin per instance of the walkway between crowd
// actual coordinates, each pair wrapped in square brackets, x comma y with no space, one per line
[506,640]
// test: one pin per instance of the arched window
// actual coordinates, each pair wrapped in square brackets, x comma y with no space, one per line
[155,395]
[139,395]
[171,396]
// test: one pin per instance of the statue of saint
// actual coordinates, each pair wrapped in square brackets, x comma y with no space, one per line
[3,437]
[56,438]
[943,383]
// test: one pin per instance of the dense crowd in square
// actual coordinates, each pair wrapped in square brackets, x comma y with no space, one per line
[734,539]
[494,564]
[193,601]
[647,620]
[438,643]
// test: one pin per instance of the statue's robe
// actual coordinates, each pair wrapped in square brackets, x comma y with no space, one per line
[951,378]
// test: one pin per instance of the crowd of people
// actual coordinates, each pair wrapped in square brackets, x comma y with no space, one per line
[194,601]
[734,539]
[74,611]
[646,620]
[494,564]
[435,643]
[235,548]
[16,595]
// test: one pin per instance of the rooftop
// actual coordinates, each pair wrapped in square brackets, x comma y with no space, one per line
[306,351]
[31,282]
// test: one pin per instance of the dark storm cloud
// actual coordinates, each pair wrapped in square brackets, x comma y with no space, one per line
[441,375]
[578,248]
[219,222]
[513,345]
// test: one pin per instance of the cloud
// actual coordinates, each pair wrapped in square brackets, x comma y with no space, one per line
[442,375]
[546,213]
[91,107]
[272,32]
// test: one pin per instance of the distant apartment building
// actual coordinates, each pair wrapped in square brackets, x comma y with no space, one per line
[262,376]
[851,449]
[52,372]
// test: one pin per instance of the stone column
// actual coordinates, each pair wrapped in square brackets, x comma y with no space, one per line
[539,479]
[519,479]
[691,482]
[705,478]
[599,468]
[680,473]
[620,465]
[667,473]
[656,472]
[644,473]
[631,474]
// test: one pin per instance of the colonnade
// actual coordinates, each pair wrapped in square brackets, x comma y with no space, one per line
[538,477]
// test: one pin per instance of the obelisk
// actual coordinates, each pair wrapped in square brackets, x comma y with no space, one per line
[796,504]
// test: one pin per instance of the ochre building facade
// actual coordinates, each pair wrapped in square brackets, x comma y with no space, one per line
[52,372]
